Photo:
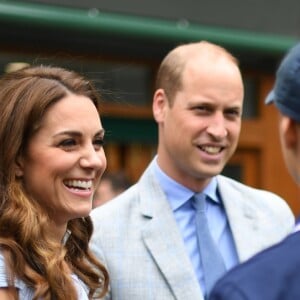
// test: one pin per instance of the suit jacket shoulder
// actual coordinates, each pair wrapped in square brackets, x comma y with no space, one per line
[257,218]
[271,275]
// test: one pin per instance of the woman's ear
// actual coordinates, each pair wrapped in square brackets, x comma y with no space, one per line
[19,169]
[160,102]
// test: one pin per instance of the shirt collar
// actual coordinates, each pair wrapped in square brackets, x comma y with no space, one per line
[176,193]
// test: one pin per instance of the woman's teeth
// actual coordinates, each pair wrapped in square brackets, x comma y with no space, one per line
[79,184]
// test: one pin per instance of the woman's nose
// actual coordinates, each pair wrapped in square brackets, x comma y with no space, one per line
[94,159]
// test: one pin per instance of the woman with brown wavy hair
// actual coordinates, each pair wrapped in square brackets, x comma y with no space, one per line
[51,160]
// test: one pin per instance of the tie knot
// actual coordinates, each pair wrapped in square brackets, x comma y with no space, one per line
[199,202]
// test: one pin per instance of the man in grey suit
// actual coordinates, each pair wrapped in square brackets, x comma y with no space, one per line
[147,236]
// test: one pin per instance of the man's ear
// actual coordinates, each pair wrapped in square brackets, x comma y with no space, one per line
[290,132]
[19,168]
[160,103]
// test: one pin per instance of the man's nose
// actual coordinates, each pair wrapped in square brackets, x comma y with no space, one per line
[217,126]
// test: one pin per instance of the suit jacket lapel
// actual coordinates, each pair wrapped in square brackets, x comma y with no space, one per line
[163,240]
[244,220]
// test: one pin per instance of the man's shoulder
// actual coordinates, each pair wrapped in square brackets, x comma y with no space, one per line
[267,273]
[265,203]
[227,184]
[282,256]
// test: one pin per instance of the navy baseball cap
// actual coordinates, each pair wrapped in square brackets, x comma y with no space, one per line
[286,91]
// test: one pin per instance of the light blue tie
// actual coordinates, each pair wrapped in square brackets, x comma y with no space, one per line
[211,259]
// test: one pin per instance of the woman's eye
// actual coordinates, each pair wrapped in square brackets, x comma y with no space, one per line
[67,143]
[99,142]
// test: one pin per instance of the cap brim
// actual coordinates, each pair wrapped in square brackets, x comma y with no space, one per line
[270,98]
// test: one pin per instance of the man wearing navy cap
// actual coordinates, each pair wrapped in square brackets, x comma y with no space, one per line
[274,274]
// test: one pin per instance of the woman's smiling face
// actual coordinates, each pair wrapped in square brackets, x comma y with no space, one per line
[64,159]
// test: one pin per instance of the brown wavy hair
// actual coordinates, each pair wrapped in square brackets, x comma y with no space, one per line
[30,252]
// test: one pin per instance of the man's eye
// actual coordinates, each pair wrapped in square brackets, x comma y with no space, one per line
[233,113]
[203,109]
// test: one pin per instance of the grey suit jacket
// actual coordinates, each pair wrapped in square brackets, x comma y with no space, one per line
[137,238]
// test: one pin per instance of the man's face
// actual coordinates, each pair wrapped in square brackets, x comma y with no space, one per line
[200,131]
